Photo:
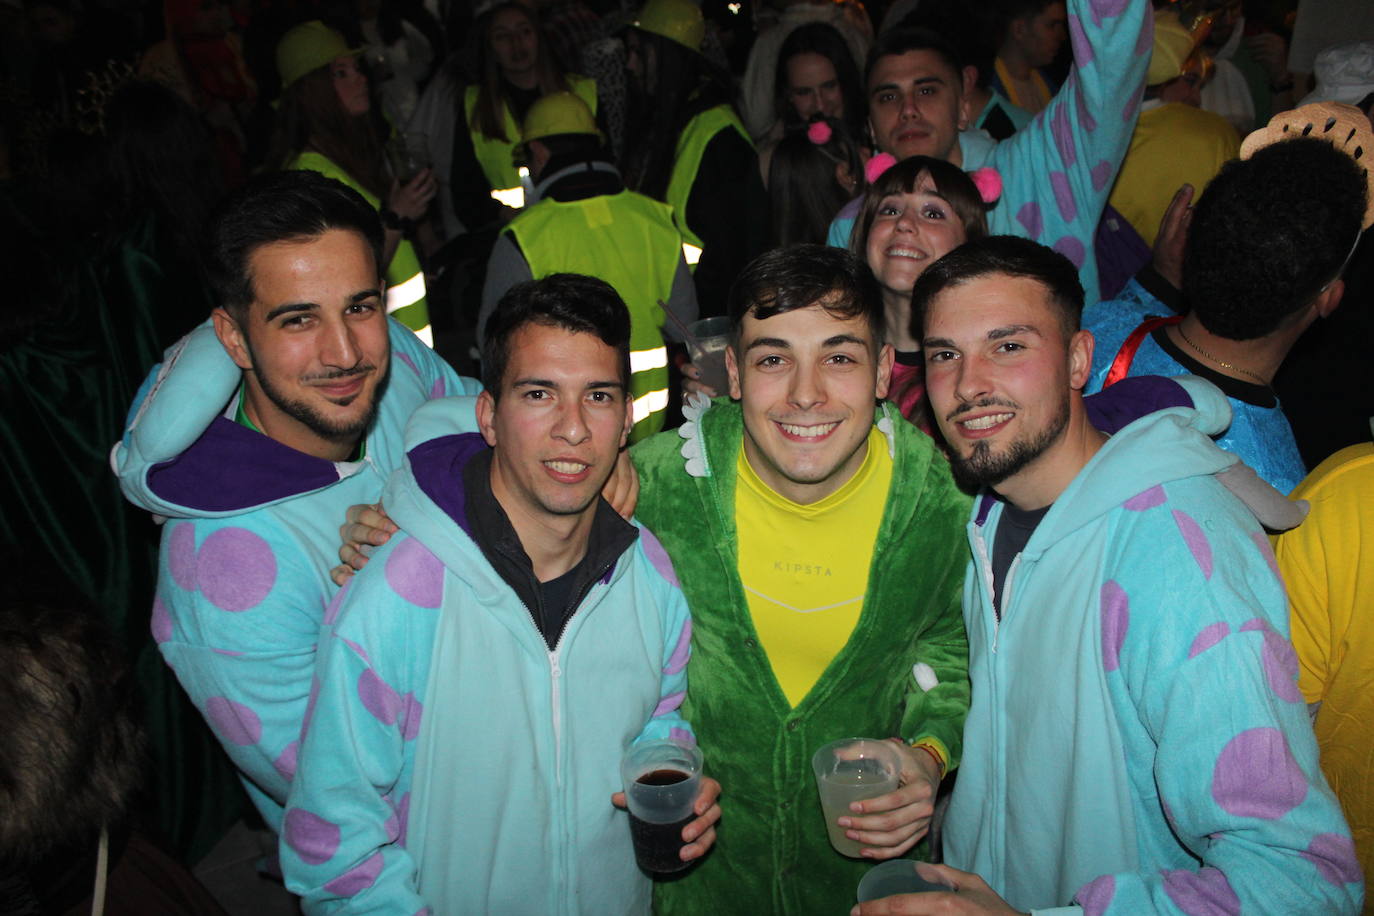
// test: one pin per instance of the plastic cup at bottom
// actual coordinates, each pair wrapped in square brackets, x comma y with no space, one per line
[897,876]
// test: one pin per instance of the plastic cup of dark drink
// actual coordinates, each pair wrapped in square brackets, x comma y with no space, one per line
[708,352]
[661,780]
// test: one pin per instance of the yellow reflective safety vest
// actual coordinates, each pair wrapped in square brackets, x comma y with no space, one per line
[495,156]
[629,241]
[405,280]
[691,145]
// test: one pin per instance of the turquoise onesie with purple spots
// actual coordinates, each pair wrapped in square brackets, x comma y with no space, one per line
[1136,742]
[451,762]
[253,530]
[1058,170]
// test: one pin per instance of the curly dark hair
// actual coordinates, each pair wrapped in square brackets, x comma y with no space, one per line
[1269,233]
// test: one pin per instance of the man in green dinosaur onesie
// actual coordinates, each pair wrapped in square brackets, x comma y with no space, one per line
[822,556]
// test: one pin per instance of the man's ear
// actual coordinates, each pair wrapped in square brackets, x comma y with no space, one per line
[232,338]
[732,370]
[970,79]
[486,417]
[887,355]
[629,418]
[1080,358]
[1330,298]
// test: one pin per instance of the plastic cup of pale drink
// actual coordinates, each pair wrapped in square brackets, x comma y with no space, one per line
[708,353]
[896,876]
[661,780]
[850,770]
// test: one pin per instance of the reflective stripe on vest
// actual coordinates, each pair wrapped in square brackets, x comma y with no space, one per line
[644,360]
[496,156]
[630,242]
[691,145]
[654,402]
[405,280]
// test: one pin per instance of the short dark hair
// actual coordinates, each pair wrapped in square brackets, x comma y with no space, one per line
[904,40]
[573,302]
[952,182]
[1269,233]
[280,207]
[1001,254]
[800,276]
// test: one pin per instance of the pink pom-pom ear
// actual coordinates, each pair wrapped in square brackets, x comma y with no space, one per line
[988,182]
[819,132]
[880,163]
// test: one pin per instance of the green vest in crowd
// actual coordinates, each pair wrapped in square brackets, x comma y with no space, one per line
[405,280]
[691,144]
[494,155]
[629,241]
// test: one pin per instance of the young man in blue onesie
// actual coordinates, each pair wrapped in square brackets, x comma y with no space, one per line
[1136,741]
[256,460]
[482,676]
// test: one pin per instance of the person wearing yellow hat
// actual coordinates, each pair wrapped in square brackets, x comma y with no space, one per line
[323,126]
[584,220]
[687,147]
[516,67]
[1175,142]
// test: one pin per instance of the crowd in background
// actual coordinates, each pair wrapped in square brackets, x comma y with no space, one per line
[123,124]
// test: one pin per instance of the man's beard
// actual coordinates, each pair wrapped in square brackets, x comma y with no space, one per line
[983,467]
[345,433]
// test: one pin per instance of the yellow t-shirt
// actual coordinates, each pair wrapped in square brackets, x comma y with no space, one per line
[805,568]
[1328,567]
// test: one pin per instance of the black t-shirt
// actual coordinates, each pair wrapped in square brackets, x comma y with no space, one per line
[1013,531]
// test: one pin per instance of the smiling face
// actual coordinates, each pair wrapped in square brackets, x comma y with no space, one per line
[1000,371]
[558,426]
[807,381]
[909,232]
[350,85]
[916,106]
[313,344]
[813,86]
[514,43]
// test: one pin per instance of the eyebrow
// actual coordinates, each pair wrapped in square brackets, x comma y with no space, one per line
[919,81]
[778,343]
[550,383]
[1010,330]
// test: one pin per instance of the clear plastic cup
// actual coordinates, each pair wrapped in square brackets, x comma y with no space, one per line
[850,770]
[896,876]
[661,780]
[708,354]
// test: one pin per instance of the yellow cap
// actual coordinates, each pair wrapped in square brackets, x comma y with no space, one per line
[559,113]
[308,47]
[1173,46]
[676,20]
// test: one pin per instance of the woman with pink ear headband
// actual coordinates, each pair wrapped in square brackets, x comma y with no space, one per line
[913,213]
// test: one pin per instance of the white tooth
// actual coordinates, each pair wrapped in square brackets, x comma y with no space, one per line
[810,432]
[565,467]
[987,422]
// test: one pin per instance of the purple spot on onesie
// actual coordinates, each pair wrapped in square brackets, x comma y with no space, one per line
[1030,219]
[1196,541]
[1209,636]
[1101,174]
[1334,856]
[411,711]
[669,703]
[1281,667]
[312,837]
[415,574]
[1063,135]
[181,555]
[232,721]
[1072,249]
[1082,47]
[405,358]
[1063,196]
[235,569]
[682,651]
[1116,618]
[358,878]
[162,621]
[1256,776]
[1146,499]
[682,736]
[1205,892]
[653,549]
[378,698]
[1267,551]
[285,764]
[1096,895]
